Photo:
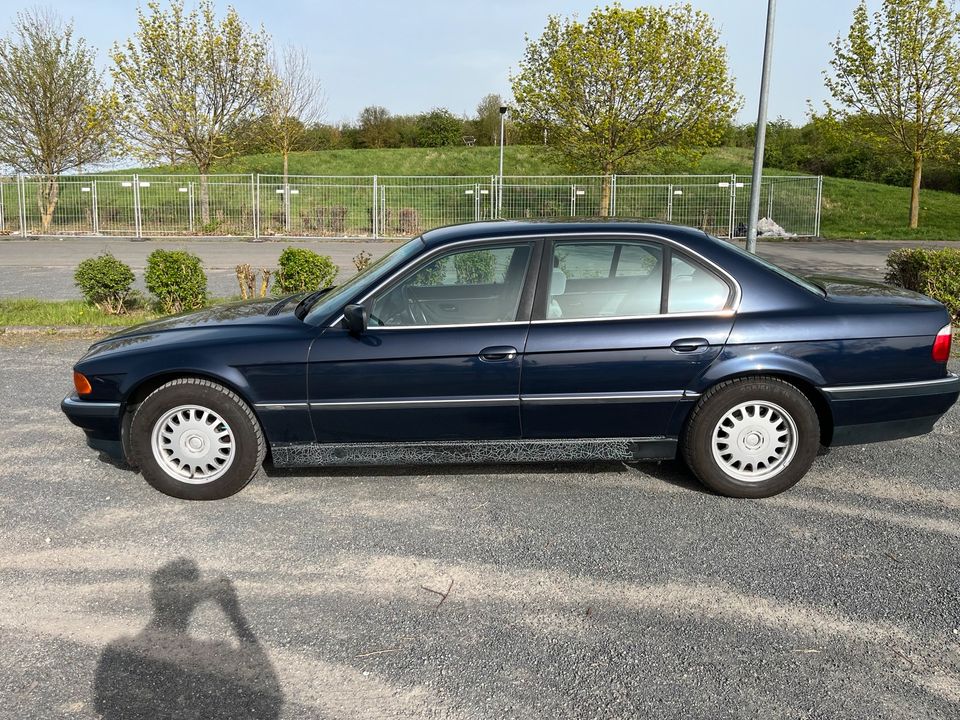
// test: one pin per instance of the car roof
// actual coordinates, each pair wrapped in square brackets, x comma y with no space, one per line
[513,228]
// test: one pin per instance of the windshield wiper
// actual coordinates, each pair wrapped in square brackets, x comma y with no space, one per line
[303,307]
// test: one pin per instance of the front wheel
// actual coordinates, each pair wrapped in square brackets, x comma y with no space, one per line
[196,440]
[751,437]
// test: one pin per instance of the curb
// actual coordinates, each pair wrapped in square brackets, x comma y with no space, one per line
[58,330]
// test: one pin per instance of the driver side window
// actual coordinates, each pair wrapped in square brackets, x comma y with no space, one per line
[480,285]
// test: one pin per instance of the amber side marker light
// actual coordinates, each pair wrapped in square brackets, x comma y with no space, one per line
[81,383]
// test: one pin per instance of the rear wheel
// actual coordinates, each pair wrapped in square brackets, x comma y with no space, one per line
[752,437]
[196,440]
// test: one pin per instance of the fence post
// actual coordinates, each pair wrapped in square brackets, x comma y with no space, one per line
[375,211]
[255,204]
[816,228]
[670,202]
[732,225]
[136,206]
[1,206]
[93,207]
[613,195]
[22,204]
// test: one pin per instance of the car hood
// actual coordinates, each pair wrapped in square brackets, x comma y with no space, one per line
[236,313]
[854,290]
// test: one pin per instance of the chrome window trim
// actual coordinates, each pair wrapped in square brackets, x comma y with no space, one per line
[730,311]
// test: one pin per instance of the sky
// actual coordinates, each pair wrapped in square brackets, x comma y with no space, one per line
[418,54]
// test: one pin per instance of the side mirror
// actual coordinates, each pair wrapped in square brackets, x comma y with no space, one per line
[355,317]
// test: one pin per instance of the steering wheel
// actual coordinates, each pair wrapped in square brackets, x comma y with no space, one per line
[412,307]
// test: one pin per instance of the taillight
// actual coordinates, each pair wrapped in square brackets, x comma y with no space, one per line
[941,346]
[81,383]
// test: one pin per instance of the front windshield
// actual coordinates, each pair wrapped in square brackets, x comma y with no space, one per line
[337,297]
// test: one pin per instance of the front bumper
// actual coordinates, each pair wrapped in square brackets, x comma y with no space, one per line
[101,421]
[874,413]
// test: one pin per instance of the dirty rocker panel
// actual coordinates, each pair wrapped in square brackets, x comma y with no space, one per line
[472,452]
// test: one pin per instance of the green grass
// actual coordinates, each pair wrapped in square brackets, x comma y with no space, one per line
[65,312]
[852,209]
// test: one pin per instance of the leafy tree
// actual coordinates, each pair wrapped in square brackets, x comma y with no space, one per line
[625,83]
[186,81]
[902,65]
[376,127]
[487,122]
[439,128]
[54,113]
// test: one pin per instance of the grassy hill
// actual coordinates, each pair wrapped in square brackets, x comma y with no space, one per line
[851,208]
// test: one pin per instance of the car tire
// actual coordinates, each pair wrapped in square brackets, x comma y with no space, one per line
[751,437]
[196,440]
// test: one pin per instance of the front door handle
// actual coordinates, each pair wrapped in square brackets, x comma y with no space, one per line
[498,353]
[689,345]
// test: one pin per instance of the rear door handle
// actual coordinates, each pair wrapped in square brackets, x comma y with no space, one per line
[689,345]
[498,353]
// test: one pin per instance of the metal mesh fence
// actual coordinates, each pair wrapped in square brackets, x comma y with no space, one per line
[545,196]
[385,206]
[312,206]
[408,205]
[9,206]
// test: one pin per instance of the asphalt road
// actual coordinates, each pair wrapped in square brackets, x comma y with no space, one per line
[600,591]
[44,268]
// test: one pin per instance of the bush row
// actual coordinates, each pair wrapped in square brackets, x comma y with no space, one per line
[178,283]
[932,272]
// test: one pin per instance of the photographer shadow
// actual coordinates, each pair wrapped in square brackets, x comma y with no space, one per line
[164,672]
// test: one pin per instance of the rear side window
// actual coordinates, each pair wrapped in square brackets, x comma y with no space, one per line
[694,288]
[605,279]
[628,279]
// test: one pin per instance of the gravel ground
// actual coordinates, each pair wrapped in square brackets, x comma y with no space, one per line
[600,591]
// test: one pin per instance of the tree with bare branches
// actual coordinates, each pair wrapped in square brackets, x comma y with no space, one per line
[294,101]
[186,80]
[54,113]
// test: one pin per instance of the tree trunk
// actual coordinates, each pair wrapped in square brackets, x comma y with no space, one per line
[915,189]
[48,193]
[205,199]
[606,188]
[286,191]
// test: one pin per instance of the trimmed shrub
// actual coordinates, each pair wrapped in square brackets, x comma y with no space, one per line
[303,270]
[176,279]
[105,282]
[475,268]
[932,272]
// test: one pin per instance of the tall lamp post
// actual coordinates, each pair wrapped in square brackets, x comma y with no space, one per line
[503,115]
[761,138]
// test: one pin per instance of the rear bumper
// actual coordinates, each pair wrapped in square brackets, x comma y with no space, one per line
[874,413]
[100,421]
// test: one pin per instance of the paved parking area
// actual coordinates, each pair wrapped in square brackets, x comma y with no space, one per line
[44,268]
[600,591]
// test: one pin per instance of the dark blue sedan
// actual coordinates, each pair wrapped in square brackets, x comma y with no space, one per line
[526,342]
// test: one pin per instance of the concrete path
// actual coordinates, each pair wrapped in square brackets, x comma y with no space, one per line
[44,268]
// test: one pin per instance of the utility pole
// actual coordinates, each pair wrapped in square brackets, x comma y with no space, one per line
[761,137]
[503,115]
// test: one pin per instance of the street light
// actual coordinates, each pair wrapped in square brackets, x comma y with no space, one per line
[503,115]
[761,137]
